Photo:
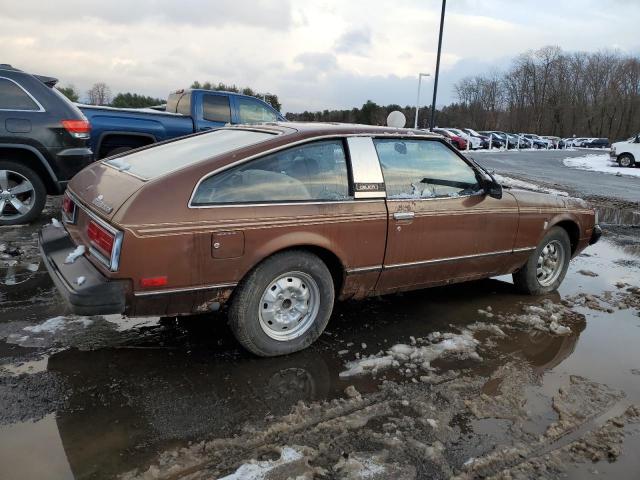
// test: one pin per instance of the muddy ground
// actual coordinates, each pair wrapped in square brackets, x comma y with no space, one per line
[466,381]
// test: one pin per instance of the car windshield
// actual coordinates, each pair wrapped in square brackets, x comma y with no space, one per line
[163,159]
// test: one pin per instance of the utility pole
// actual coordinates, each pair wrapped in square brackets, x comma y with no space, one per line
[420,75]
[435,81]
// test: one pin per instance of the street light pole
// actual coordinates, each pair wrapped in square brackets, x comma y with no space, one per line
[420,75]
[435,80]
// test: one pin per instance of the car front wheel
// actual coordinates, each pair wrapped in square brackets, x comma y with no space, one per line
[547,266]
[22,194]
[626,160]
[283,305]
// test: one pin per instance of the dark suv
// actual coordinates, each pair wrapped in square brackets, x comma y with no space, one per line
[43,143]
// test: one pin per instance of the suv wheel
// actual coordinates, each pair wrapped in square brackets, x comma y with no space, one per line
[626,160]
[22,194]
[547,265]
[283,305]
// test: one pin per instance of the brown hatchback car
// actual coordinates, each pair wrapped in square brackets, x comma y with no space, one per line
[279,220]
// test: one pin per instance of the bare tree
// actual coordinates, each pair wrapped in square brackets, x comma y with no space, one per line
[99,94]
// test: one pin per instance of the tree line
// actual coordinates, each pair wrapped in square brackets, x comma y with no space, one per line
[546,91]
[553,92]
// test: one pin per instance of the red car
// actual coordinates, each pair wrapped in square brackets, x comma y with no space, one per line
[458,142]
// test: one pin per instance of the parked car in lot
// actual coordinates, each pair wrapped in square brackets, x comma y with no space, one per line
[278,220]
[555,141]
[473,143]
[117,130]
[627,153]
[496,143]
[537,141]
[598,143]
[456,140]
[504,138]
[43,143]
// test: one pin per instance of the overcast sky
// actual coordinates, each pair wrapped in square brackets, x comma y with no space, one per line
[312,54]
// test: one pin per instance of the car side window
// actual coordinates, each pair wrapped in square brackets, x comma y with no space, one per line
[252,111]
[314,171]
[415,169]
[216,108]
[12,97]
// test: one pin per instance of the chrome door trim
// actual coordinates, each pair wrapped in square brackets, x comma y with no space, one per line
[372,268]
[452,259]
[183,289]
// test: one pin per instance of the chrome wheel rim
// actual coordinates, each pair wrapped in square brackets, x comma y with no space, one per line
[289,306]
[625,161]
[550,263]
[17,195]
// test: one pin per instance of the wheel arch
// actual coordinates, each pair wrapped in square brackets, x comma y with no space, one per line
[32,158]
[573,230]
[332,260]
[113,139]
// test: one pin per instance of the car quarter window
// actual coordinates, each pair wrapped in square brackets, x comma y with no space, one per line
[12,97]
[216,108]
[423,169]
[314,171]
[252,111]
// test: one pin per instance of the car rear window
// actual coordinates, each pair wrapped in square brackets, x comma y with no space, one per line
[163,159]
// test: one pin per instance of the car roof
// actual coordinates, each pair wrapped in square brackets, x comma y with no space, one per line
[333,128]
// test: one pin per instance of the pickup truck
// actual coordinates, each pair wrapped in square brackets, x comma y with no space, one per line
[117,130]
[627,152]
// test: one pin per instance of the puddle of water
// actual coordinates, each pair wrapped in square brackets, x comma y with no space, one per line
[33,450]
[142,390]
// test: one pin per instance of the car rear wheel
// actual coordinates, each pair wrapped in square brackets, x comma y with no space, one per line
[283,305]
[547,266]
[22,194]
[626,160]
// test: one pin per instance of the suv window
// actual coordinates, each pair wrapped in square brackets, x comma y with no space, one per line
[315,171]
[252,111]
[423,169]
[13,97]
[216,108]
[184,105]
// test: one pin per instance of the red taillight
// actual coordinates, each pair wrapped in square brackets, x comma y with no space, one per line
[100,239]
[77,128]
[153,282]
[68,209]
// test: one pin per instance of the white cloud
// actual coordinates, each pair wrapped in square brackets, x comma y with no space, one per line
[314,55]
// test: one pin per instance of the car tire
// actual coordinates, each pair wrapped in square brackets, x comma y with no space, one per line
[16,175]
[547,265]
[283,305]
[626,160]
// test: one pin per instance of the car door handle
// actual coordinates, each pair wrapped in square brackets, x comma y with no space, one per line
[404,215]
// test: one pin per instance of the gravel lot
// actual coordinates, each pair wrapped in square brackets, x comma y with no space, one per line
[478,380]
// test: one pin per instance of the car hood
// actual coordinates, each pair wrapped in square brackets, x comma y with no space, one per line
[104,189]
[529,199]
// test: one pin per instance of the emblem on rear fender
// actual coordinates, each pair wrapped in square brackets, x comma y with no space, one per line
[101,204]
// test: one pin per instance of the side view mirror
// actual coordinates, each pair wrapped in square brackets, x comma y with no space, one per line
[493,189]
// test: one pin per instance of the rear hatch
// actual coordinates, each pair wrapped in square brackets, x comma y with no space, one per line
[104,189]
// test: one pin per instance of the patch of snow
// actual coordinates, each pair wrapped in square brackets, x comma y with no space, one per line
[80,280]
[463,345]
[77,253]
[258,470]
[600,163]
[515,183]
[32,267]
[56,223]
[119,163]
[57,323]
[558,329]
